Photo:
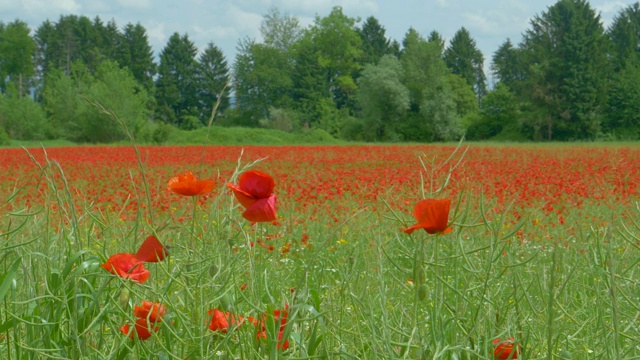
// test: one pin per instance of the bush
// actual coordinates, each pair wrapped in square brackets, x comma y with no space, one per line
[22,118]
[4,138]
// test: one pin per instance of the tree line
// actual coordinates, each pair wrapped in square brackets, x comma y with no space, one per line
[568,78]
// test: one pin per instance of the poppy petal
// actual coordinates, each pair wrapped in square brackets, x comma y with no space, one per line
[151,250]
[242,196]
[256,183]
[262,210]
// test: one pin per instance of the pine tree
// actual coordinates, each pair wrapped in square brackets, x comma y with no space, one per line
[176,89]
[465,59]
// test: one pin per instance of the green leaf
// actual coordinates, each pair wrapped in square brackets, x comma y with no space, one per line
[9,277]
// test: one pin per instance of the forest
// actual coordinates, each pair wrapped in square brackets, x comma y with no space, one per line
[567,79]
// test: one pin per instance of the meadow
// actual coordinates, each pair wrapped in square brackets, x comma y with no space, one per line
[541,263]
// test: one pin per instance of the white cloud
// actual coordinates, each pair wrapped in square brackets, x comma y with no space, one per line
[135,4]
[52,7]
[156,32]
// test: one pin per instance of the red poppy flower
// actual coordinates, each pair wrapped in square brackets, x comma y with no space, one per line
[187,185]
[279,317]
[280,345]
[127,266]
[130,266]
[220,320]
[152,311]
[432,216]
[151,250]
[142,327]
[505,349]
[255,192]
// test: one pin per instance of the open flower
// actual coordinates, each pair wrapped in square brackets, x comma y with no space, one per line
[221,321]
[187,185]
[505,349]
[142,329]
[131,266]
[152,311]
[255,192]
[148,315]
[432,216]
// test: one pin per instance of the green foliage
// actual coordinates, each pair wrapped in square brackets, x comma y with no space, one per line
[112,87]
[136,54]
[242,136]
[433,109]
[382,98]
[161,132]
[22,118]
[624,104]
[4,137]
[465,59]
[212,75]
[566,49]
[624,34]
[17,49]
[262,79]
[286,120]
[463,95]
[176,89]
[375,44]
[498,114]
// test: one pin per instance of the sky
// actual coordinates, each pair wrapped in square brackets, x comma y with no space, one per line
[225,22]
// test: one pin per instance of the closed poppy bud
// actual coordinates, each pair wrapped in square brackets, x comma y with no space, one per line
[505,349]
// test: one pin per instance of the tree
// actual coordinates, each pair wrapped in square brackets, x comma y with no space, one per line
[566,77]
[625,37]
[433,114]
[382,98]
[16,56]
[176,89]
[623,118]
[507,66]
[465,59]
[326,61]
[374,41]
[436,38]
[498,113]
[212,75]
[136,54]
[112,87]
[279,30]
[262,80]
[263,71]
[21,117]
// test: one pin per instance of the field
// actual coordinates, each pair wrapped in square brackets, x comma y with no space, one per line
[542,260]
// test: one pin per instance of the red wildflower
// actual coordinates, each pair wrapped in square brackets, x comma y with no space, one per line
[220,320]
[255,192]
[130,266]
[127,266]
[432,216]
[152,311]
[505,349]
[280,320]
[147,315]
[143,329]
[187,185]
